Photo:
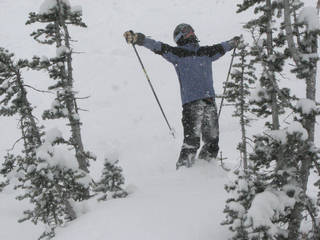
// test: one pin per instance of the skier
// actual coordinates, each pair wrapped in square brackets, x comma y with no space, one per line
[193,64]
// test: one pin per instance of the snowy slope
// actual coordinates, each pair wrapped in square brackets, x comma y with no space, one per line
[124,119]
[184,205]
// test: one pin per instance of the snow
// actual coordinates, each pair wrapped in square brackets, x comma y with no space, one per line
[76,9]
[296,127]
[112,157]
[281,135]
[243,185]
[62,50]
[309,16]
[278,135]
[307,106]
[266,206]
[76,116]
[55,104]
[52,135]
[295,2]
[237,207]
[309,56]
[172,206]
[5,84]
[57,155]
[65,112]
[44,58]
[258,94]
[48,5]
[86,180]
[124,121]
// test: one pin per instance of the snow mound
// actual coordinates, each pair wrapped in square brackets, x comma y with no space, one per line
[309,16]
[281,135]
[307,106]
[180,205]
[266,205]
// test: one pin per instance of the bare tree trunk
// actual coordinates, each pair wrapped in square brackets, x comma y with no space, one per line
[242,120]
[289,33]
[274,95]
[75,123]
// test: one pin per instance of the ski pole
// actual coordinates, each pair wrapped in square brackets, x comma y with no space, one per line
[154,93]
[225,86]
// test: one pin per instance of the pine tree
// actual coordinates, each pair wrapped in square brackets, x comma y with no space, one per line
[51,184]
[237,92]
[303,47]
[58,15]
[47,185]
[268,42]
[15,102]
[111,182]
[263,209]
[282,158]
[243,190]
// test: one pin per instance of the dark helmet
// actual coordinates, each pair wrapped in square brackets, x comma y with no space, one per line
[183,34]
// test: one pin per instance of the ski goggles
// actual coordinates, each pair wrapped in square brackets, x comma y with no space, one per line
[185,32]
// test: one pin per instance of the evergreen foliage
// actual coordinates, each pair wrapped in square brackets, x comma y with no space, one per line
[243,190]
[267,51]
[246,208]
[281,159]
[56,32]
[48,186]
[46,172]
[111,182]
[238,91]
[303,47]
[14,101]
[8,166]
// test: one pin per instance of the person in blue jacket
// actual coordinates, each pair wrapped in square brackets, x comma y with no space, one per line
[193,64]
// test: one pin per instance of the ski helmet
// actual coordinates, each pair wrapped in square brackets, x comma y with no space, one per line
[183,32]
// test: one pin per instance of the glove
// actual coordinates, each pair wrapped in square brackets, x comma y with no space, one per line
[234,42]
[134,38]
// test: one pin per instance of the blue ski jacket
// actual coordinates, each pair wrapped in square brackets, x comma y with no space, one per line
[193,64]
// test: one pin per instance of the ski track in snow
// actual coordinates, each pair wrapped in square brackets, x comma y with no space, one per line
[163,203]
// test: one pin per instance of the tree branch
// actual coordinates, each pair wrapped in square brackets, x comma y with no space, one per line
[84,110]
[38,90]
[83,97]
[273,81]
[15,143]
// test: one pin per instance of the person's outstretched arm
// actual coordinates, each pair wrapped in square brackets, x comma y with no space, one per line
[157,47]
[218,50]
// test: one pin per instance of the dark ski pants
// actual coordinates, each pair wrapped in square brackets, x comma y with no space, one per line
[200,120]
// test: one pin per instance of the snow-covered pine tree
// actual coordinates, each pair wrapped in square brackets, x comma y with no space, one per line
[8,166]
[47,184]
[111,182]
[282,158]
[266,51]
[52,184]
[58,15]
[237,92]
[263,209]
[242,192]
[302,37]
[14,101]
